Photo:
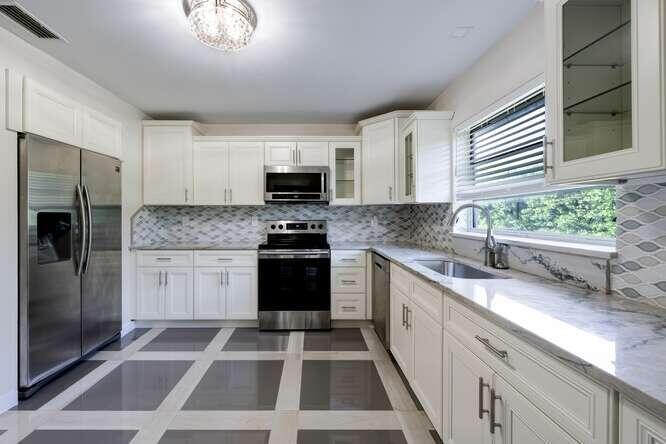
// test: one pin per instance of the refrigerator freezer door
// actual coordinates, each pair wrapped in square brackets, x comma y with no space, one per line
[49,253]
[102,283]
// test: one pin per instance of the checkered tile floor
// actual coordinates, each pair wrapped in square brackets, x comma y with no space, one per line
[207,385]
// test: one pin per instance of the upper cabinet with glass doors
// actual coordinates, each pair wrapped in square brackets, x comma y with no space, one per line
[605,94]
[345,177]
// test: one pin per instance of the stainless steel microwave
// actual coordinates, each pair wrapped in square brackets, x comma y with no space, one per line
[296,184]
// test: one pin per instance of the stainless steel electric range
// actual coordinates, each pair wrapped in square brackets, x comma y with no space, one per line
[295,276]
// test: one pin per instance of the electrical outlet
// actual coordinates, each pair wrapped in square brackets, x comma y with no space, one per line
[373,221]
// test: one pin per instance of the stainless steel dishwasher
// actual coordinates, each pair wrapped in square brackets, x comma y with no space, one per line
[381,300]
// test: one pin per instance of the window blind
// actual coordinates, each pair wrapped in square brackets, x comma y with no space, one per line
[503,152]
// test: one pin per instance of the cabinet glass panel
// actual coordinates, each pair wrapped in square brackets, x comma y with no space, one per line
[344,173]
[596,77]
[409,163]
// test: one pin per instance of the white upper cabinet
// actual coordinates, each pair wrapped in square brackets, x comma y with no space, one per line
[102,134]
[50,114]
[312,153]
[605,89]
[211,173]
[280,153]
[246,173]
[425,158]
[307,153]
[167,163]
[345,178]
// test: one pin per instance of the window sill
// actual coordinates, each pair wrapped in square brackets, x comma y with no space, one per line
[575,248]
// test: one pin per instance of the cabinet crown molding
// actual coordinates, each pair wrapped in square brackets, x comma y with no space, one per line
[383,117]
[277,139]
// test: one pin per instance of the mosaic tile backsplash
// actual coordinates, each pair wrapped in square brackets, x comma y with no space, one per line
[639,272]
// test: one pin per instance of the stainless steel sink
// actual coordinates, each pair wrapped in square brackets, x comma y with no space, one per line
[456,269]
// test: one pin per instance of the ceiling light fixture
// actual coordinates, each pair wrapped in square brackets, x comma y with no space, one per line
[221,24]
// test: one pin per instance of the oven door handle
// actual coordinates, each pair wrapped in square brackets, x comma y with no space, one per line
[294,254]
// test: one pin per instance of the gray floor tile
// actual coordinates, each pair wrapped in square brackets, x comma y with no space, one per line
[58,385]
[342,385]
[339,339]
[215,437]
[79,436]
[134,385]
[182,339]
[251,339]
[126,340]
[237,385]
[351,437]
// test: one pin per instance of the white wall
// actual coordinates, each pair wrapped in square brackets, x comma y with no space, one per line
[515,60]
[19,56]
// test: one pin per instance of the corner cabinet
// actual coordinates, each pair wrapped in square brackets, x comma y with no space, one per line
[425,158]
[639,427]
[167,162]
[345,177]
[605,89]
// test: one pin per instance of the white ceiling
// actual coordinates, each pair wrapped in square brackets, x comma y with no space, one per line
[310,61]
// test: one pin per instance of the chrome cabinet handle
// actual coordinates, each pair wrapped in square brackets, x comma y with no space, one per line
[160,279]
[546,144]
[224,259]
[390,193]
[482,385]
[344,282]
[84,229]
[231,195]
[185,194]
[166,278]
[403,315]
[409,324]
[221,278]
[348,259]
[227,278]
[225,195]
[494,425]
[163,259]
[502,354]
[348,308]
[293,155]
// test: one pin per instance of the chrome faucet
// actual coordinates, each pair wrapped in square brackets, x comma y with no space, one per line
[495,253]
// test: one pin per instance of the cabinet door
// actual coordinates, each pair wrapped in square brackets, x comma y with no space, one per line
[149,293]
[211,173]
[209,293]
[520,422]
[50,114]
[167,165]
[379,163]
[312,153]
[604,89]
[466,395]
[640,427]
[246,173]
[345,165]
[280,153]
[427,374]
[242,293]
[179,293]
[102,134]
[401,337]
[407,164]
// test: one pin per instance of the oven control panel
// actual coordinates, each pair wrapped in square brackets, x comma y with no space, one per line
[296,227]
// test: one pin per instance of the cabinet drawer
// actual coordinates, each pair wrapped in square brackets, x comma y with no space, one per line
[343,258]
[165,259]
[348,306]
[348,280]
[429,298]
[225,258]
[571,400]
[401,279]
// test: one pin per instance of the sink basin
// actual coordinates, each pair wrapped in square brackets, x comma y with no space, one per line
[456,269]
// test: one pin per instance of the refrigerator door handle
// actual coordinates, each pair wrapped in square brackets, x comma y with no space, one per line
[89,211]
[84,229]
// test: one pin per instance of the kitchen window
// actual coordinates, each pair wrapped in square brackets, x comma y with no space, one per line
[500,166]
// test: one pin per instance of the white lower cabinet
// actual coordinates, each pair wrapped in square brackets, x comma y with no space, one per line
[242,293]
[198,288]
[640,427]
[178,293]
[466,388]
[348,285]
[401,336]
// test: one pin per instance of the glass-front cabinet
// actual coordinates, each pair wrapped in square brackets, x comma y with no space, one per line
[604,89]
[345,164]
[407,184]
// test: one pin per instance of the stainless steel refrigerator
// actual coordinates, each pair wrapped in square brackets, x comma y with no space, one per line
[69,256]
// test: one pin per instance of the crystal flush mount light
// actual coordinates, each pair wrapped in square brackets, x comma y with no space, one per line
[221,24]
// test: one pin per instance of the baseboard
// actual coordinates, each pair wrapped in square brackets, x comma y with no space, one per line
[127,327]
[8,400]
[193,324]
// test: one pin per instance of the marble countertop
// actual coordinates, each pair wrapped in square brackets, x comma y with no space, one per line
[212,246]
[617,342]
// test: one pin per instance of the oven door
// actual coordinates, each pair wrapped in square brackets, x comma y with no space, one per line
[294,281]
[296,184]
